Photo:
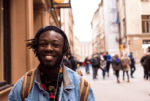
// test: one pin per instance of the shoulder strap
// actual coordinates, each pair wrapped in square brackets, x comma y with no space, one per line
[79,72]
[27,83]
[84,89]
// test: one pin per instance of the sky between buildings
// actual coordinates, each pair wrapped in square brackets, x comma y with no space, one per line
[83,11]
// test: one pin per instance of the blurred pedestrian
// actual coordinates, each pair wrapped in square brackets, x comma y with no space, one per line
[145,69]
[109,61]
[125,60]
[146,62]
[132,65]
[73,62]
[95,65]
[87,66]
[103,66]
[116,62]
[67,63]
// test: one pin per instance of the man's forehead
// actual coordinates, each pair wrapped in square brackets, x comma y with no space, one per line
[50,33]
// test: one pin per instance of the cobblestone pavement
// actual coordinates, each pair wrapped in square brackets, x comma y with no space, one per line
[137,89]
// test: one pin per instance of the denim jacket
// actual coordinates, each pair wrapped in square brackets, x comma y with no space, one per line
[70,89]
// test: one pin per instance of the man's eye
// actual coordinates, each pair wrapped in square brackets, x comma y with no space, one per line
[55,44]
[42,44]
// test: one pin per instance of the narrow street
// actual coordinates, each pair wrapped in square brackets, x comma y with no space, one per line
[137,89]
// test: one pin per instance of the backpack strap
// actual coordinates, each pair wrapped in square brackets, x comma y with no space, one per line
[84,89]
[27,83]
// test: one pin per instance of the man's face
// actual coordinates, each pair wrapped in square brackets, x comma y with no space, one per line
[50,49]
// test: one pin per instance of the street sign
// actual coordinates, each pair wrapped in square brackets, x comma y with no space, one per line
[61,3]
[121,47]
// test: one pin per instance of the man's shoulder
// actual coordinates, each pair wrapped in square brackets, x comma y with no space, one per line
[19,82]
[72,74]
[70,71]
[16,90]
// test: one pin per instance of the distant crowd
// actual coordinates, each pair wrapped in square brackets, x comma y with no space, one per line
[102,61]
[126,63]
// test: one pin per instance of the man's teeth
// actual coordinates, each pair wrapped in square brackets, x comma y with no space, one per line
[48,57]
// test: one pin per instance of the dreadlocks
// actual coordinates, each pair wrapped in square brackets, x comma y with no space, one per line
[33,43]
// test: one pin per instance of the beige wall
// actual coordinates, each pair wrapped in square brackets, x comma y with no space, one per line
[133,17]
[133,11]
[67,23]
[145,8]
[85,49]
[76,48]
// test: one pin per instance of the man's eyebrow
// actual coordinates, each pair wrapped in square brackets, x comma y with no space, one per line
[52,40]
[42,40]
[55,40]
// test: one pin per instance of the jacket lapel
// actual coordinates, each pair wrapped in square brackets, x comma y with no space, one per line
[67,84]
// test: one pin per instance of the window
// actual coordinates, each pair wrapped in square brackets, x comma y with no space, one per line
[5,45]
[146,41]
[146,23]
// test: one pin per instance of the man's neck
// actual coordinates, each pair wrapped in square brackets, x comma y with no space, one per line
[51,73]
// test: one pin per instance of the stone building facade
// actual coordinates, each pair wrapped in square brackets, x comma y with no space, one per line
[105,28]
[76,48]
[67,24]
[85,50]
[134,26]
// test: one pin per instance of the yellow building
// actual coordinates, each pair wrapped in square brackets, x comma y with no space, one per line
[67,23]
[96,32]
[134,26]
[19,21]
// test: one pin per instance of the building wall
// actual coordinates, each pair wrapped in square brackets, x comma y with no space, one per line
[105,28]
[96,32]
[135,36]
[110,26]
[67,22]
[76,48]
[86,50]
[133,18]
[26,18]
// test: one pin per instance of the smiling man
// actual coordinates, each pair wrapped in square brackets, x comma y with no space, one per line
[51,80]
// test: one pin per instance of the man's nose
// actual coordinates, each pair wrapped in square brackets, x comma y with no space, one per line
[49,47]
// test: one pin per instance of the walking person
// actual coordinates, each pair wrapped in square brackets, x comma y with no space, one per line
[51,80]
[132,65]
[109,61]
[98,58]
[87,66]
[103,66]
[125,60]
[95,65]
[146,62]
[144,68]
[117,66]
